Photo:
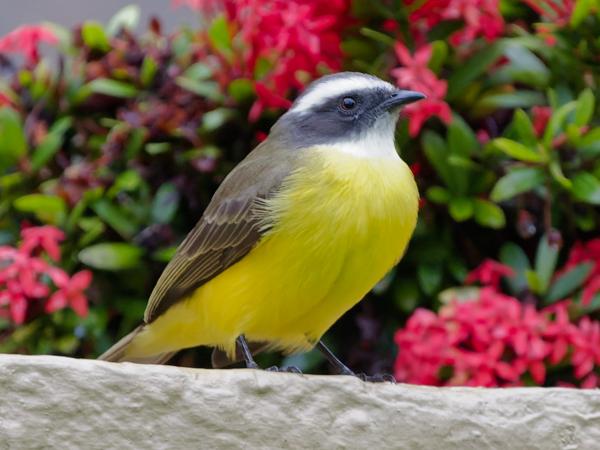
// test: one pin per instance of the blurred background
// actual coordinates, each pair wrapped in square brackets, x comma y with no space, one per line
[118,121]
[71,12]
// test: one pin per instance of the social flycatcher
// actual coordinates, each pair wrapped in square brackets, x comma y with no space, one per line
[295,235]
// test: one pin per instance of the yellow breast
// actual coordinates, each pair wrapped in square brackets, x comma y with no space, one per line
[339,223]
[342,222]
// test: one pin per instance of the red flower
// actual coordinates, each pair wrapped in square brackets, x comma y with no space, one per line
[479,18]
[70,291]
[494,340]
[586,352]
[46,237]
[266,99]
[24,276]
[587,252]
[25,40]
[281,44]
[415,74]
[4,100]
[541,116]
[489,273]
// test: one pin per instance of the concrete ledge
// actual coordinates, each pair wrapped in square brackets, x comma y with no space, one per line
[62,403]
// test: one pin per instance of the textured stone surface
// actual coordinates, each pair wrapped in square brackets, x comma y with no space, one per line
[51,402]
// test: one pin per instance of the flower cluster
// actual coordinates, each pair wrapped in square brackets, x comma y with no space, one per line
[479,18]
[587,252]
[295,40]
[25,40]
[25,276]
[495,340]
[415,74]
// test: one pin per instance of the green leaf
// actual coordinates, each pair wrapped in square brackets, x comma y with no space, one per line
[585,107]
[558,175]
[241,89]
[461,139]
[489,214]
[208,89]
[165,254]
[518,151]
[219,36]
[517,99]
[51,143]
[475,66]
[533,282]
[47,208]
[545,263]
[198,71]
[112,88]
[115,217]
[156,148]
[589,144]
[516,182]
[430,277]
[461,208]
[524,128]
[214,119]
[111,256]
[437,154]
[524,67]
[165,203]
[581,10]
[586,188]
[94,37]
[556,122]
[127,181]
[378,36]
[513,256]
[439,53]
[127,18]
[568,281]
[438,194]
[148,70]
[92,227]
[12,138]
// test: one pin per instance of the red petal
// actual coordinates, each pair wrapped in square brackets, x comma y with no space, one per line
[79,305]
[81,280]
[56,302]
[18,308]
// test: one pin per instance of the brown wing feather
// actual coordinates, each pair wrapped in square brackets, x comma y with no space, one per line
[226,232]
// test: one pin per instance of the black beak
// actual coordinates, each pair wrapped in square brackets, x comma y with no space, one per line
[400,98]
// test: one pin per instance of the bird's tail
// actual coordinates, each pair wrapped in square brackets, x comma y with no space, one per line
[118,352]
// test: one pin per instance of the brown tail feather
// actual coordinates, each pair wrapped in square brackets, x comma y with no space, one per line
[117,352]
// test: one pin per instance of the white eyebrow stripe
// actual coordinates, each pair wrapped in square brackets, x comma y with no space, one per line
[334,87]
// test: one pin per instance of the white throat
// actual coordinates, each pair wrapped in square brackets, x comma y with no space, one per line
[376,143]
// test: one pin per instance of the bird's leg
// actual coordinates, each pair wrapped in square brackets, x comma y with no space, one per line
[248,359]
[333,360]
[344,370]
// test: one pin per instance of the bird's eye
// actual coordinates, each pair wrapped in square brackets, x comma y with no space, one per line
[348,103]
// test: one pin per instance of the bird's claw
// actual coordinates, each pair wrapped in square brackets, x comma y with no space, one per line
[288,369]
[377,378]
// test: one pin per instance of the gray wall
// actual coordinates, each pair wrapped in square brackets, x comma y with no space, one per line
[69,12]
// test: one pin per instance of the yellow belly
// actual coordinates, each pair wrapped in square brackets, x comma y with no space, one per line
[339,224]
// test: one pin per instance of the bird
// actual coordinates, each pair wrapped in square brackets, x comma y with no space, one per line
[296,234]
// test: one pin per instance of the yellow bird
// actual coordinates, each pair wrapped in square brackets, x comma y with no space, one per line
[295,235]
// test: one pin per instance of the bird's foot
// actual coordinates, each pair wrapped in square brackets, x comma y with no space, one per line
[377,378]
[288,369]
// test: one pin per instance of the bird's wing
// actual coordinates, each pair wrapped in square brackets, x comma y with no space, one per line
[227,231]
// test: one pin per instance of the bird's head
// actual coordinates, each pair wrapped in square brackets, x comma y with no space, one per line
[349,110]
